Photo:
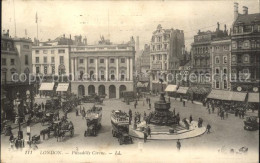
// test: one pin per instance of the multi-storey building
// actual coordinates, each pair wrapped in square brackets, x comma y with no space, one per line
[50,60]
[245,52]
[165,48]
[202,60]
[105,68]
[145,59]
[16,66]
[221,63]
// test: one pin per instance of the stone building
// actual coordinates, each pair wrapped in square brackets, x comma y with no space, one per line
[16,66]
[202,60]
[165,49]
[221,63]
[104,69]
[245,62]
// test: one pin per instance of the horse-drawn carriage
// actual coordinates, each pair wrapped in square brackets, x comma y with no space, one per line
[93,120]
[93,98]
[251,123]
[48,117]
[66,127]
[120,124]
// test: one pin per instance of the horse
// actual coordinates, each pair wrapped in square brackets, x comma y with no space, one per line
[60,135]
[45,131]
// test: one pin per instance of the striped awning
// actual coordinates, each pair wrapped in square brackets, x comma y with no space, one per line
[182,90]
[238,96]
[253,97]
[220,95]
[171,88]
[62,87]
[46,87]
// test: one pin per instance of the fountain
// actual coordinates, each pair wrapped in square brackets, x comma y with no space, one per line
[162,116]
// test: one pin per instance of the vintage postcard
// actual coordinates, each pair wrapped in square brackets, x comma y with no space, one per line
[130,81]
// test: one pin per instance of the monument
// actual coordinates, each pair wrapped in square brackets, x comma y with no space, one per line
[162,116]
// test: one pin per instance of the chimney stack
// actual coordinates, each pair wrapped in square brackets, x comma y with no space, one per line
[235,10]
[218,26]
[245,10]
[64,35]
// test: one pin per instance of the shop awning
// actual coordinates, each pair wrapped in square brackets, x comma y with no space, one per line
[253,97]
[62,87]
[171,88]
[238,96]
[182,90]
[46,87]
[220,95]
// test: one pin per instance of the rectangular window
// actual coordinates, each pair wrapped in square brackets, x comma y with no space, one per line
[26,46]
[112,60]
[52,51]
[153,57]
[45,59]
[234,45]
[246,44]
[61,51]
[91,60]
[101,60]
[61,60]
[81,61]
[225,84]
[37,59]
[122,60]
[217,84]
[37,51]
[37,70]
[12,61]
[52,59]
[3,61]
[26,60]
[53,69]
[165,46]
[45,69]
[45,51]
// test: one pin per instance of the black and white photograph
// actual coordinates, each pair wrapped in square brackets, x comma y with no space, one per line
[130,81]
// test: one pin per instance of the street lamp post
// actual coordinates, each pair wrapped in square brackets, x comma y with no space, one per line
[19,104]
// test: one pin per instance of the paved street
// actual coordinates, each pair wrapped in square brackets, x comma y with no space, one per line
[223,133]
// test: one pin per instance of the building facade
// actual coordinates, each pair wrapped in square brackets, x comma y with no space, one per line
[221,64]
[16,66]
[104,69]
[51,60]
[165,48]
[245,60]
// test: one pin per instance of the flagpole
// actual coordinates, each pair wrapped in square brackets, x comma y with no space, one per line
[37,28]
[14,21]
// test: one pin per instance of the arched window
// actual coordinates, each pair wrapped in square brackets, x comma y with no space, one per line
[246,58]
[217,71]
[217,84]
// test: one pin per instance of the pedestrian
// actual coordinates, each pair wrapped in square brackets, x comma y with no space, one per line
[144,115]
[190,118]
[169,99]
[130,113]
[174,111]
[135,105]
[208,129]
[77,112]
[150,106]
[239,114]
[243,114]
[145,137]
[209,110]
[147,100]
[149,131]
[143,102]
[178,145]
[83,114]
[213,108]
[226,114]
[183,103]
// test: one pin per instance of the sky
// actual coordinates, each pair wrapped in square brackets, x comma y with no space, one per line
[117,20]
